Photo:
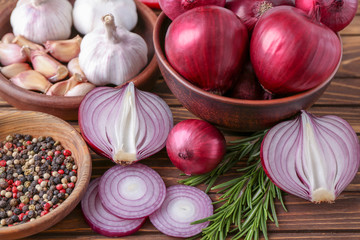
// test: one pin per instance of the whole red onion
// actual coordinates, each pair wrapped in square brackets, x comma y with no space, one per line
[195,146]
[292,52]
[206,45]
[249,11]
[174,8]
[336,14]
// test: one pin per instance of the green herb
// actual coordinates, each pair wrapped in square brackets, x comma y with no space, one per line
[248,200]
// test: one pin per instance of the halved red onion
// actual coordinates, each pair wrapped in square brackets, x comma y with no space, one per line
[125,124]
[182,206]
[132,192]
[102,221]
[311,157]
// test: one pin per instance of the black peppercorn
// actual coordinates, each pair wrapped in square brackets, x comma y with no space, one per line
[55,200]
[9,221]
[31,214]
[15,218]
[57,180]
[25,208]
[38,207]
[17,211]
[56,192]
[25,218]
[69,190]
[3,214]
[2,204]
[61,195]
[3,183]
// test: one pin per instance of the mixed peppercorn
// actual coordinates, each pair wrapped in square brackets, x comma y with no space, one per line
[36,176]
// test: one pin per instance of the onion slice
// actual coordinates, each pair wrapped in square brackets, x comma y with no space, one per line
[182,206]
[132,192]
[125,124]
[102,221]
[311,157]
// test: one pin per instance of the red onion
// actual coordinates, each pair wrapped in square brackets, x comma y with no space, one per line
[311,157]
[248,87]
[336,14]
[182,206]
[151,3]
[249,11]
[174,8]
[102,221]
[125,124]
[291,52]
[131,192]
[195,146]
[206,45]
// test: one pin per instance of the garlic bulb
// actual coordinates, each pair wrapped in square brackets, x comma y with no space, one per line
[42,20]
[87,14]
[112,55]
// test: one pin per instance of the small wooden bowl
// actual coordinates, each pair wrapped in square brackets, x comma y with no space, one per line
[42,124]
[67,107]
[230,113]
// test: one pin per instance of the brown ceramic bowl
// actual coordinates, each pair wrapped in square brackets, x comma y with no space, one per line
[42,124]
[67,107]
[229,113]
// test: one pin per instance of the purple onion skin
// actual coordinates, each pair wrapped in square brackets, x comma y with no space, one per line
[174,8]
[249,11]
[194,46]
[195,146]
[291,52]
[336,14]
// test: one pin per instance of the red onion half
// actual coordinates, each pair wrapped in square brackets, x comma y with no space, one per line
[336,14]
[103,221]
[182,206]
[291,52]
[125,124]
[195,146]
[131,192]
[311,157]
[206,45]
[174,8]
[249,11]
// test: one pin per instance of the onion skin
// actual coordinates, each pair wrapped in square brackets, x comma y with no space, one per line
[195,146]
[314,158]
[249,11]
[336,14]
[174,8]
[292,53]
[194,46]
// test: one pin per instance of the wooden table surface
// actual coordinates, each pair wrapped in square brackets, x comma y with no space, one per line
[303,220]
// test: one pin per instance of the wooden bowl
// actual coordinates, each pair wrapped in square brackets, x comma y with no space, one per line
[230,113]
[42,124]
[67,107]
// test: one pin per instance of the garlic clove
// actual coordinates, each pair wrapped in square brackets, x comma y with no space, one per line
[31,80]
[11,53]
[22,41]
[14,69]
[61,88]
[64,50]
[8,38]
[74,67]
[48,66]
[80,90]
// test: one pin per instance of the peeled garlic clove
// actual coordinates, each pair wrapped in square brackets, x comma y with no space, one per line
[74,67]
[48,66]
[31,80]
[112,55]
[80,90]
[42,20]
[11,53]
[8,38]
[61,88]
[22,41]
[14,69]
[64,50]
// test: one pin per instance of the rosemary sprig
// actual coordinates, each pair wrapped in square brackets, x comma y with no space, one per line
[248,200]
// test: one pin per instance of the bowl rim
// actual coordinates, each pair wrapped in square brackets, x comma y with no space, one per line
[73,101]
[80,187]
[234,101]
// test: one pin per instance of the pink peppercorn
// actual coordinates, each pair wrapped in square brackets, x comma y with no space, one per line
[59,187]
[61,171]
[2,163]
[71,185]
[67,152]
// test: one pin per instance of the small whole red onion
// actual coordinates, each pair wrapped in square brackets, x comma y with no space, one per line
[292,52]
[207,45]
[336,14]
[174,8]
[195,146]
[249,11]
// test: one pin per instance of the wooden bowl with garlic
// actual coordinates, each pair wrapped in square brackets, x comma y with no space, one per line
[58,84]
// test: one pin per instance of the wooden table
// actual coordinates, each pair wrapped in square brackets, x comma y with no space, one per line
[303,220]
